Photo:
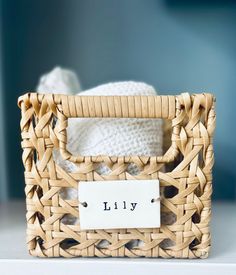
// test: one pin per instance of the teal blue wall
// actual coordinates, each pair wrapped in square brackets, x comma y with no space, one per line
[3,181]
[172,44]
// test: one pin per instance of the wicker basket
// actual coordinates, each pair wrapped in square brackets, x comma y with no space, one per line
[188,164]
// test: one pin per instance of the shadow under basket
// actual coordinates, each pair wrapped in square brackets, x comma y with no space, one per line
[184,172]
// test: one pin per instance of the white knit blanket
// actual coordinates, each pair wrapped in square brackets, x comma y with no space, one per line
[105,136]
[115,137]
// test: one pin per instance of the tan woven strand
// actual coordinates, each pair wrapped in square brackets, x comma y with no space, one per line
[191,154]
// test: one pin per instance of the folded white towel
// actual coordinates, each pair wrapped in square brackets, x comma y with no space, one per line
[114,137]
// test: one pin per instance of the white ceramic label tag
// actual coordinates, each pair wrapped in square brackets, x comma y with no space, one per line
[119,204]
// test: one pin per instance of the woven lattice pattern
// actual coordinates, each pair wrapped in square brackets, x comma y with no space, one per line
[186,186]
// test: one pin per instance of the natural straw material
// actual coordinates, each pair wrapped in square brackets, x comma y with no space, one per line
[43,127]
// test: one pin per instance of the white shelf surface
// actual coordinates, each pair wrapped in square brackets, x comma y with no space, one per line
[14,258]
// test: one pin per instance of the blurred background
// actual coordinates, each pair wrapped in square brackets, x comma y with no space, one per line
[174,45]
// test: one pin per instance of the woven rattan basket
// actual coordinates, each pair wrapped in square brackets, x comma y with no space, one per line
[187,164]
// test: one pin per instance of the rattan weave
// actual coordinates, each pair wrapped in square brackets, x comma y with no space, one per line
[188,164]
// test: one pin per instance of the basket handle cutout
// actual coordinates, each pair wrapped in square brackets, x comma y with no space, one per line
[163,107]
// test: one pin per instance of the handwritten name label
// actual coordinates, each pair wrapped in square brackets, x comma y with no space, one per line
[119,204]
